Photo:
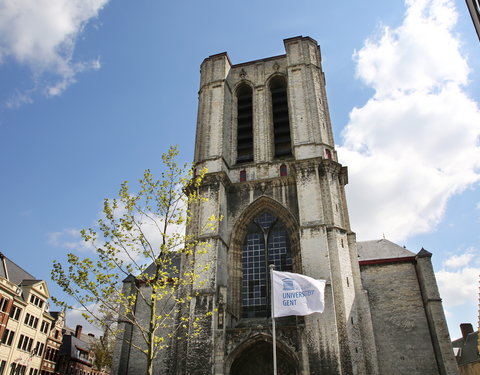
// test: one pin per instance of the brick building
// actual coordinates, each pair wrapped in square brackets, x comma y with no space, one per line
[52,345]
[467,350]
[76,356]
[25,322]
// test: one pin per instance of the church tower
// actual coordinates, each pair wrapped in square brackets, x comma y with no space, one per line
[265,136]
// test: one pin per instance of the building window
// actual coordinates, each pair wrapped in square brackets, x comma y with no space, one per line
[82,354]
[283,170]
[267,242]
[15,312]
[25,343]
[280,117]
[4,304]
[328,153]
[39,348]
[45,327]
[7,337]
[243,176]
[20,341]
[36,300]
[31,320]
[244,124]
[2,367]
[17,369]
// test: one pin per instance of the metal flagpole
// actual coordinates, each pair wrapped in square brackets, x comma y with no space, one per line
[274,336]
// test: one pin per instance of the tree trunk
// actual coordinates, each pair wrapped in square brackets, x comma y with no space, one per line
[149,366]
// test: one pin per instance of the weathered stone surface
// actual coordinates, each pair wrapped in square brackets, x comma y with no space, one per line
[378,319]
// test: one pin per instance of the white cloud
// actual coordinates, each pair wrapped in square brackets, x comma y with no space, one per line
[149,224]
[70,239]
[415,143]
[42,34]
[462,260]
[74,317]
[458,287]
[459,279]
[17,99]
[421,54]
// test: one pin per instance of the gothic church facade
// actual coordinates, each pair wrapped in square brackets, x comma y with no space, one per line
[265,136]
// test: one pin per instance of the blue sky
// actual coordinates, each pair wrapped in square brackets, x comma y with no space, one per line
[93,92]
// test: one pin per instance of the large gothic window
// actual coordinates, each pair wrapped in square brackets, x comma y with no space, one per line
[267,242]
[280,117]
[244,124]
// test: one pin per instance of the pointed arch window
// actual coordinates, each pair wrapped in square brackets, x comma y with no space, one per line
[280,117]
[266,242]
[244,124]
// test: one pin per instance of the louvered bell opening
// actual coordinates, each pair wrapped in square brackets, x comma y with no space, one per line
[244,125]
[281,123]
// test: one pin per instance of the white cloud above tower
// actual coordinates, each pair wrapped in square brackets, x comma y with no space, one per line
[414,143]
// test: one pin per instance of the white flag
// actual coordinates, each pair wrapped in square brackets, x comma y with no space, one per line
[295,294]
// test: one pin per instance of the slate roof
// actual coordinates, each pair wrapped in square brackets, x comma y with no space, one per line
[69,347]
[151,268]
[16,274]
[468,349]
[55,314]
[381,249]
[175,263]
[86,338]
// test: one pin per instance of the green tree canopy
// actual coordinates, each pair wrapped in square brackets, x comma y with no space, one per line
[141,239]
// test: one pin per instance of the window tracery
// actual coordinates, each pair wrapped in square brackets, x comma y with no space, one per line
[266,242]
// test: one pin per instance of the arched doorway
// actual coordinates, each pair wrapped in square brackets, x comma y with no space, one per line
[257,359]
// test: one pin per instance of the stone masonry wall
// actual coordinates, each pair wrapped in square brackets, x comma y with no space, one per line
[404,344]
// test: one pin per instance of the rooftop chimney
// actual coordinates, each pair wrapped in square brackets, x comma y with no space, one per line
[78,331]
[466,329]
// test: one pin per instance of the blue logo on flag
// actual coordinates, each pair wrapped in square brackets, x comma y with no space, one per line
[288,284]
